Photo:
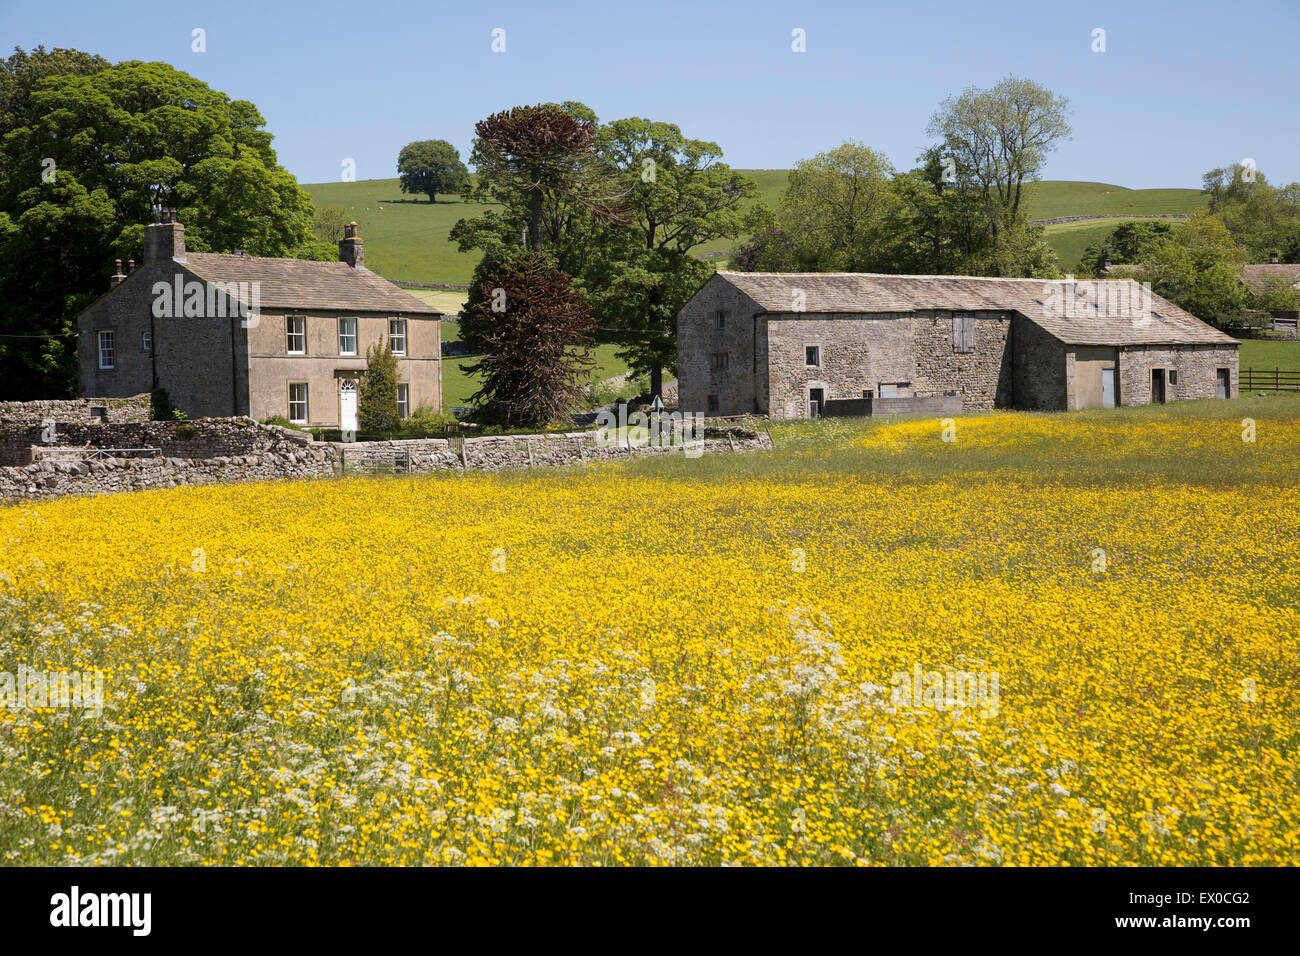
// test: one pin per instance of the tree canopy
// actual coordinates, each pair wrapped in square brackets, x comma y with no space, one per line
[534,330]
[94,153]
[431,166]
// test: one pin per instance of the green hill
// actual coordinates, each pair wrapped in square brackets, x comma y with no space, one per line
[406,236]
[1054,198]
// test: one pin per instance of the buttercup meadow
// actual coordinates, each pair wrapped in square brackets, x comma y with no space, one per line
[682,661]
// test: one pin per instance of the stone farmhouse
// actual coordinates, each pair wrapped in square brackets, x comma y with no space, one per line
[794,345]
[227,335]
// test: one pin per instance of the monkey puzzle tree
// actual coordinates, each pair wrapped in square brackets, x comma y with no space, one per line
[531,157]
[535,332]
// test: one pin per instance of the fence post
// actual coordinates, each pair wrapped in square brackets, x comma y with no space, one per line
[528,442]
[581,451]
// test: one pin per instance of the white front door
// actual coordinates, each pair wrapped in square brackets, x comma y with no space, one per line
[1108,388]
[348,405]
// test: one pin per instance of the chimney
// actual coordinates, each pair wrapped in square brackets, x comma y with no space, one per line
[117,274]
[350,247]
[1272,258]
[164,239]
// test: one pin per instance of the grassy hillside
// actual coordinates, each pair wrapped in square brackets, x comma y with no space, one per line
[1069,239]
[407,236]
[1056,197]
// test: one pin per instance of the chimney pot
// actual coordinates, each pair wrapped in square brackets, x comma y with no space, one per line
[130,266]
[117,278]
[350,247]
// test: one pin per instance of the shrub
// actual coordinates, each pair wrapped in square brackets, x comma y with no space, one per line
[377,403]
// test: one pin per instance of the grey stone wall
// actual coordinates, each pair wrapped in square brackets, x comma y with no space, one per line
[1038,373]
[1196,366]
[857,353]
[741,387]
[272,454]
[202,363]
[982,378]
[200,439]
[498,452]
[136,408]
[52,479]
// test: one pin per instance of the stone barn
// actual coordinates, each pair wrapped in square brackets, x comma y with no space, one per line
[794,345]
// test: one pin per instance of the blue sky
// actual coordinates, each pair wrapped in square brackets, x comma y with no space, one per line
[1182,86]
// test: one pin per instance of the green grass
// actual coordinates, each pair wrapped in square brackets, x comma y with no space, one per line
[1269,354]
[407,236]
[1179,443]
[449,303]
[1069,239]
[457,386]
[1057,197]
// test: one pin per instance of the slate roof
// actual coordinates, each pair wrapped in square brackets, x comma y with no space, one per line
[1254,275]
[303,284]
[1126,317]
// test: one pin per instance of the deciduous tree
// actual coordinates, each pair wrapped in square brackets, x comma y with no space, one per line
[78,180]
[431,166]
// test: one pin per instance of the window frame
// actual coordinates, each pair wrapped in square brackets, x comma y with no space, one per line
[392,336]
[146,341]
[720,319]
[403,400]
[111,350]
[289,334]
[352,335]
[817,349]
[719,361]
[713,403]
[306,403]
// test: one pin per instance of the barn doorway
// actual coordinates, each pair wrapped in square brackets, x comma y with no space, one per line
[1108,388]
[1158,385]
[1222,383]
[816,398]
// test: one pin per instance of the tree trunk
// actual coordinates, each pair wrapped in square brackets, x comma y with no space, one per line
[535,220]
[656,381]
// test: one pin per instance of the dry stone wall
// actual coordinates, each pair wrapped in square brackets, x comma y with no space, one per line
[137,408]
[228,451]
[21,443]
[499,452]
